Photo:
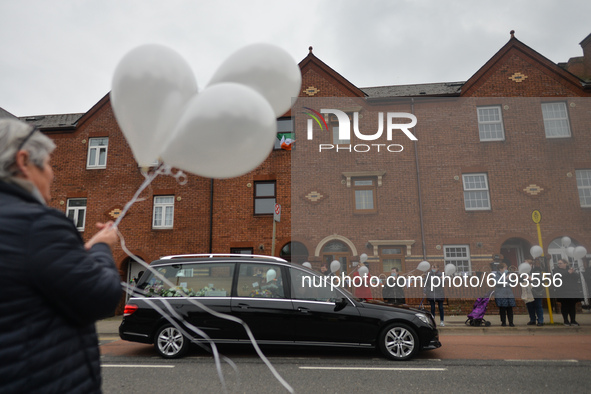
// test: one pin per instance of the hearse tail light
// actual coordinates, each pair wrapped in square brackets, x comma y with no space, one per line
[130,309]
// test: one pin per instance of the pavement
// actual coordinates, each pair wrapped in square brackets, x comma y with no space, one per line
[454,325]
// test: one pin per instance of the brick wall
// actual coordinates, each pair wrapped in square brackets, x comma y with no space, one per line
[448,146]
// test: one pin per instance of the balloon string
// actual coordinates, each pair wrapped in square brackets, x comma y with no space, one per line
[208,310]
[145,184]
[133,291]
[163,169]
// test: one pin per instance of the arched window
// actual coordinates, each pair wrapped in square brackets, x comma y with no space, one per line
[556,251]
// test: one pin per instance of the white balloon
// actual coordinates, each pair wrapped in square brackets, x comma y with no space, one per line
[363,271]
[306,264]
[363,257]
[150,88]
[424,266]
[566,242]
[536,251]
[524,268]
[335,266]
[570,251]
[579,252]
[271,274]
[266,68]
[226,131]
[450,269]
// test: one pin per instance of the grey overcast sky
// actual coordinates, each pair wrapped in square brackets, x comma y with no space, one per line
[59,56]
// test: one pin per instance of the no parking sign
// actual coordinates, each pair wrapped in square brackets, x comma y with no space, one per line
[277,213]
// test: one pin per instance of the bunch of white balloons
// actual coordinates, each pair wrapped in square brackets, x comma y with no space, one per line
[224,131]
[577,252]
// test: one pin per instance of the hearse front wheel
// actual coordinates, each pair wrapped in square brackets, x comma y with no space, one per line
[398,342]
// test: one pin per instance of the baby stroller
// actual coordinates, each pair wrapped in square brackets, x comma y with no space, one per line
[476,317]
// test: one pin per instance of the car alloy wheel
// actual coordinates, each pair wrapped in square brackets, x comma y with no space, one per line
[170,342]
[398,342]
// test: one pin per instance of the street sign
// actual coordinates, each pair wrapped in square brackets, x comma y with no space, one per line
[277,213]
[536,216]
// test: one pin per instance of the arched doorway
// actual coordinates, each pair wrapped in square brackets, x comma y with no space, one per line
[295,252]
[337,250]
[515,251]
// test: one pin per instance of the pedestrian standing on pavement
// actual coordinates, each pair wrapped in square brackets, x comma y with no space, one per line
[54,286]
[568,293]
[391,292]
[534,308]
[361,288]
[587,277]
[434,291]
[504,297]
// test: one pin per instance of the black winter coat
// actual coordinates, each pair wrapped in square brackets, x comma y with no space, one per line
[51,293]
[434,291]
[570,287]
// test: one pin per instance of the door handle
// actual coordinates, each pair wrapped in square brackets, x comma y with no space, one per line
[303,310]
[243,306]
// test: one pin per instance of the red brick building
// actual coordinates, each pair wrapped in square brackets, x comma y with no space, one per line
[511,139]
[425,200]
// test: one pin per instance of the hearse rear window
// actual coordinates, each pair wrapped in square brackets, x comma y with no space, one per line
[260,281]
[195,280]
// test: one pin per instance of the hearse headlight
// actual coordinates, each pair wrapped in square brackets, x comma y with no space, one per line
[422,317]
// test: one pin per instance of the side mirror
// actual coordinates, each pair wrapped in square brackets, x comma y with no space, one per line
[341,304]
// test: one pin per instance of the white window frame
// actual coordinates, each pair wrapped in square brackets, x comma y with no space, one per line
[551,123]
[97,152]
[485,123]
[474,193]
[584,187]
[465,261]
[77,211]
[161,207]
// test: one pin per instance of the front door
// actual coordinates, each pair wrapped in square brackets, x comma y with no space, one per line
[512,255]
[339,251]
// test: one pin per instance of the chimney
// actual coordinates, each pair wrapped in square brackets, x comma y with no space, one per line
[586,45]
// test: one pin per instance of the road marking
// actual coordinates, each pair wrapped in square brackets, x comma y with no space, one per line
[135,366]
[543,361]
[376,368]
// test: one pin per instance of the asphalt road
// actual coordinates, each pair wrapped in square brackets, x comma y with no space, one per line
[465,363]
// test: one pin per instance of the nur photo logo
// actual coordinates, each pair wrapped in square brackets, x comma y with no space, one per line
[392,120]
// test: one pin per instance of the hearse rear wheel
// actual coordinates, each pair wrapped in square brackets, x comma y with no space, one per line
[170,342]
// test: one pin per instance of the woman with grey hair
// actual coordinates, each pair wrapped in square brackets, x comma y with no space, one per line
[54,286]
[33,150]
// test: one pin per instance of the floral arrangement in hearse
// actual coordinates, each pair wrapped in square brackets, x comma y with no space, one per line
[157,290]
[260,293]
